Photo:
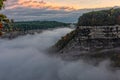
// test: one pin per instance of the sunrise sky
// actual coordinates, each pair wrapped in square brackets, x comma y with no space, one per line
[78,4]
[70,4]
[57,10]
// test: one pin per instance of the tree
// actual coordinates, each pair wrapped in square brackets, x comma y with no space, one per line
[3,18]
[2,3]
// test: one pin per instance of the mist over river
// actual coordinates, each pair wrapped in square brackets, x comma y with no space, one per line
[24,58]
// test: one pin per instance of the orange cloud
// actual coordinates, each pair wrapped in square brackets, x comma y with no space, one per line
[40,4]
[32,4]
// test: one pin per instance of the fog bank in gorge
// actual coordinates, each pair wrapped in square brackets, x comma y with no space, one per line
[24,58]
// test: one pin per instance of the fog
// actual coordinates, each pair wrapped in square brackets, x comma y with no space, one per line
[24,58]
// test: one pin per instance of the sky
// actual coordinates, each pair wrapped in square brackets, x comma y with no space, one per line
[70,4]
[58,10]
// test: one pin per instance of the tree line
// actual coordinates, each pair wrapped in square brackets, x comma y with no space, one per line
[32,25]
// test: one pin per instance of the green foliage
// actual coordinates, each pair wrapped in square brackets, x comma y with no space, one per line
[4,18]
[100,18]
[2,3]
[32,25]
[65,40]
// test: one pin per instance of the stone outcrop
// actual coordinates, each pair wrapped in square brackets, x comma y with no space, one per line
[80,45]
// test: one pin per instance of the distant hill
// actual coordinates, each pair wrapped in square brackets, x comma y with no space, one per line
[31,25]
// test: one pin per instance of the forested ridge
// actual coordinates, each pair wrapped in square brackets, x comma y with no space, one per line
[31,25]
[100,18]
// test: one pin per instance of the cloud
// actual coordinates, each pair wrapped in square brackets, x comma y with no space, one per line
[30,14]
[30,10]
[11,4]
[24,58]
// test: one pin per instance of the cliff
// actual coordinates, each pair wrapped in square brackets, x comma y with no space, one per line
[80,44]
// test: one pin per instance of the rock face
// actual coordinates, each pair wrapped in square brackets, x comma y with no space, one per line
[79,45]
